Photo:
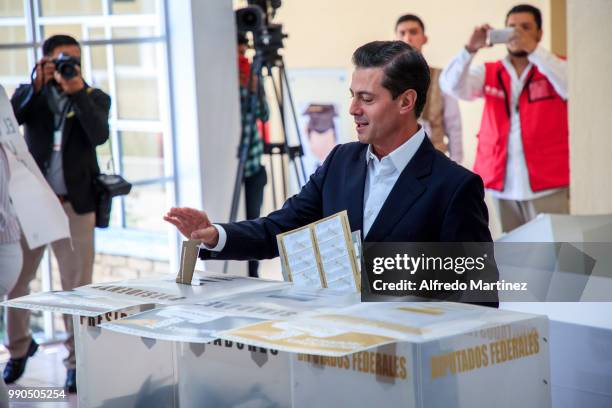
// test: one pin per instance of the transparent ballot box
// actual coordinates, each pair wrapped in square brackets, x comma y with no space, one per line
[255,343]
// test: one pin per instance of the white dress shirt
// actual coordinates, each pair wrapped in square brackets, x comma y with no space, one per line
[380,179]
[467,82]
[382,175]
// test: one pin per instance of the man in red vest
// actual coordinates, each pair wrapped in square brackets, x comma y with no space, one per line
[523,154]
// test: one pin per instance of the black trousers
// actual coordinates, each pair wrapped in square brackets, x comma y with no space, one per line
[253,197]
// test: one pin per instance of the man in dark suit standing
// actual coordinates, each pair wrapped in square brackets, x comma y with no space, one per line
[394,184]
[64,120]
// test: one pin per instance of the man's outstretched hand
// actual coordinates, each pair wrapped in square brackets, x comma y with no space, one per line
[193,224]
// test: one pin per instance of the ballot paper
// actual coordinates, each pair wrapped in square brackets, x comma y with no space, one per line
[362,326]
[321,255]
[405,321]
[200,323]
[187,323]
[299,256]
[40,214]
[166,290]
[305,337]
[98,298]
[189,256]
[72,302]
[285,302]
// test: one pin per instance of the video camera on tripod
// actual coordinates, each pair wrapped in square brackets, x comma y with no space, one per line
[257,18]
[268,40]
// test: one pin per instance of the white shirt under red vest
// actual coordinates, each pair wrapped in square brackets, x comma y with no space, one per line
[512,180]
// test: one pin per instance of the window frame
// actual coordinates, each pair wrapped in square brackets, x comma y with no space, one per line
[33,22]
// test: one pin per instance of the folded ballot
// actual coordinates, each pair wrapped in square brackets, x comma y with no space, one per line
[323,254]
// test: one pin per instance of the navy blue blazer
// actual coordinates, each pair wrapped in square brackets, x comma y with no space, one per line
[433,200]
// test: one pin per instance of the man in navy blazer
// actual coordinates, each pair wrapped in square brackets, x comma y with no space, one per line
[394,184]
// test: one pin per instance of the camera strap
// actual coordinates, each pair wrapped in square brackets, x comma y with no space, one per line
[58,122]
[110,164]
[59,117]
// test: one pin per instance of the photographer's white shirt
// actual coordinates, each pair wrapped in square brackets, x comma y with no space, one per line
[464,81]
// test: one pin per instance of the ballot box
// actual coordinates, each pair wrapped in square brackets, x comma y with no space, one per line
[580,331]
[241,342]
[143,372]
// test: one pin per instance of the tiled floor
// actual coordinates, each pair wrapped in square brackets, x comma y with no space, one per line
[44,369]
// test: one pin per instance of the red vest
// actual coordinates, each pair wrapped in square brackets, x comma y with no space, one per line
[544,130]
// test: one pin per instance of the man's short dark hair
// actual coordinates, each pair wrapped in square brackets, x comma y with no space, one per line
[404,68]
[527,8]
[55,41]
[410,17]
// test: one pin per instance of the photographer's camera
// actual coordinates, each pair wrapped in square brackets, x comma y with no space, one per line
[66,66]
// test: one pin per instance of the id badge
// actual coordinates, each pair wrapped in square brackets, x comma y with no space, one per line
[57,140]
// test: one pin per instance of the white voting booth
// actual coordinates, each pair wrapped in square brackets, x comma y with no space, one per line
[242,342]
[581,331]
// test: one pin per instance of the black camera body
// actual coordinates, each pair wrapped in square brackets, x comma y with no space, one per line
[266,10]
[66,66]
[257,18]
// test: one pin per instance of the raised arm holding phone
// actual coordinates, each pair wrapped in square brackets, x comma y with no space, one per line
[523,152]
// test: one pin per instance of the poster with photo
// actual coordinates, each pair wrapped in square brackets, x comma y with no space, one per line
[321,100]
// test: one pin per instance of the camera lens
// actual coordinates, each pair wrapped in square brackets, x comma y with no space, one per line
[66,66]
[68,71]
[249,19]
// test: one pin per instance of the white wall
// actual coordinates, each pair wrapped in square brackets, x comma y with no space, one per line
[206,112]
[590,119]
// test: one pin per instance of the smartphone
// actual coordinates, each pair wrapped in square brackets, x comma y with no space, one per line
[499,36]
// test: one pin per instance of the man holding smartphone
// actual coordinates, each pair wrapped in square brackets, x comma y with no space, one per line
[523,152]
[64,120]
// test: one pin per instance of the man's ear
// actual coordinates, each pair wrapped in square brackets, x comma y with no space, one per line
[407,101]
[425,40]
[540,34]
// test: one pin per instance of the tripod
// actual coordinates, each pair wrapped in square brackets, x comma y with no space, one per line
[294,153]
[269,60]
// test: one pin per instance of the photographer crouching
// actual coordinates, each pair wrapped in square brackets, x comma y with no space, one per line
[64,120]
